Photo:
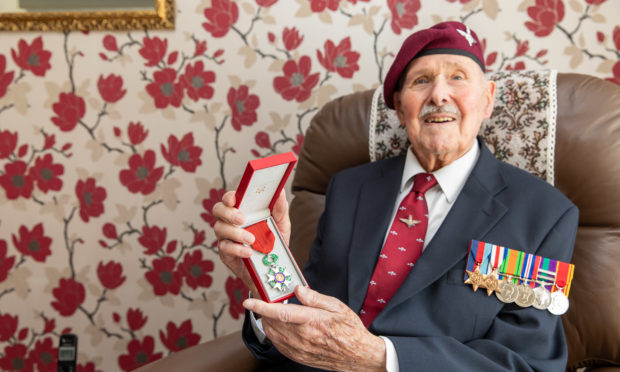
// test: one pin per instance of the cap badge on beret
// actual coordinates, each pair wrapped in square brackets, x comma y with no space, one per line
[467,35]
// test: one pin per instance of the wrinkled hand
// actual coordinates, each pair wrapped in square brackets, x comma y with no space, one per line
[325,333]
[231,238]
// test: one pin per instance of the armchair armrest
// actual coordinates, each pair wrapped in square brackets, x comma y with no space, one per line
[227,353]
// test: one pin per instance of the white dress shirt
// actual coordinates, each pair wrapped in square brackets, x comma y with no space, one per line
[439,199]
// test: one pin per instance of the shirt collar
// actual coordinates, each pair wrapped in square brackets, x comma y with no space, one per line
[450,178]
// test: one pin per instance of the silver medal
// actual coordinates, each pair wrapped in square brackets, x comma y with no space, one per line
[508,291]
[526,296]
[543,298]
[559,303]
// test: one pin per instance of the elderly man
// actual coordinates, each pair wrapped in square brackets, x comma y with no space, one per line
[387,266]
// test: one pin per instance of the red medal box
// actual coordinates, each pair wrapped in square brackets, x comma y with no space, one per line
[271,266]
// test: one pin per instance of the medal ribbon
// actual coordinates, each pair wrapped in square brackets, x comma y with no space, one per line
[535,271]
[561,277]
[264,238]
[526,271]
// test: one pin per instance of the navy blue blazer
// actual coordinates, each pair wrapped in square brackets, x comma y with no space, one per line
[436,322]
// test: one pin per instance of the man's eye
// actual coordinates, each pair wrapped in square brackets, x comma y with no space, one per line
[458,77]
[420,81]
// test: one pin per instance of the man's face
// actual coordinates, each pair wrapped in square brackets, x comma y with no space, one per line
[442,103]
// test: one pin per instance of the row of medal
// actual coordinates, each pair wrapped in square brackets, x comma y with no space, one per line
[523,278]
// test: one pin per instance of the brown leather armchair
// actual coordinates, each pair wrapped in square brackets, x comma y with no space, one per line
[587,170]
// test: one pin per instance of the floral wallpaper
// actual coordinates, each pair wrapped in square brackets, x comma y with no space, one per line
[114,147]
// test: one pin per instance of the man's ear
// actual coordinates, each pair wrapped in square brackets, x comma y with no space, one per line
[489,98]
[398,107]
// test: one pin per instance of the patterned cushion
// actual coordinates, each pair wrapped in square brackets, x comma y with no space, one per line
[521,130]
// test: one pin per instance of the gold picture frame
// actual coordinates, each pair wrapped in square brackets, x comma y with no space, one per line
[161,17]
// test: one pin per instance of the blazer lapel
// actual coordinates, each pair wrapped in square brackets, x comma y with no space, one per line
[473,214]
[374,212]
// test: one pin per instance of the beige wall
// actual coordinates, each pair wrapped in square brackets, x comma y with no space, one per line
[56,277]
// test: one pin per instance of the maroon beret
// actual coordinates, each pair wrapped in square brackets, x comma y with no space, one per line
[443,38]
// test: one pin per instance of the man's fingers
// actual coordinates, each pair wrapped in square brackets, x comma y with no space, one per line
[227,213]
[287,313]
[230,248]
[313,298]
[225,230]
[229,198]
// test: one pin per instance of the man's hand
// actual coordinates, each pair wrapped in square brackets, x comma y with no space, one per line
[231,238]
[325,333]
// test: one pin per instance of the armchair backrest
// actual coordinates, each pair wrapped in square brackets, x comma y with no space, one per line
[587,170]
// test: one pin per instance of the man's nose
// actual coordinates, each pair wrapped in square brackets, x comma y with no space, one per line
[440,92]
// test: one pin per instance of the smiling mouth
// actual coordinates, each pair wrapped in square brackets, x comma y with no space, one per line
[439,119]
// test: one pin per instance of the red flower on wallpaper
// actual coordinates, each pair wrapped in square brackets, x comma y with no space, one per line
[6,264]
[44,355]
[461,1]
[237,292]
[616,37]
[266,3]
[109,43]
[111,274]
[243,106]
[69,296]
[136,133]
[215,195]
[136,319]
[163,277]
[33,242]
[8,143]
[595,2]
[5,77]
[404,14]
[91,198]
[45,173]
[142,176]
[196,81]
[32,57]
[318,6]
[545,15]
[355,1]
[221,16]
[182,153]
[177,339]
[109,231]
[291,38]
[69,109]
[297,83]
[140,353]
[339,58]
[15,180]
[297,146]
[8,325]
[111,88]
[153,50]
[262,140]
[153,239]
[15,359]
[518,66]
[195,270]
[616,74]
[164,90]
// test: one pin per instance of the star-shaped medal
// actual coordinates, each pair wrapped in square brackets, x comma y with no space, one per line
[409,221]
[476,279]
[491,282]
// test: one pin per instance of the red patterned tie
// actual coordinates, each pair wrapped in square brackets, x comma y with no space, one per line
[402,248]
